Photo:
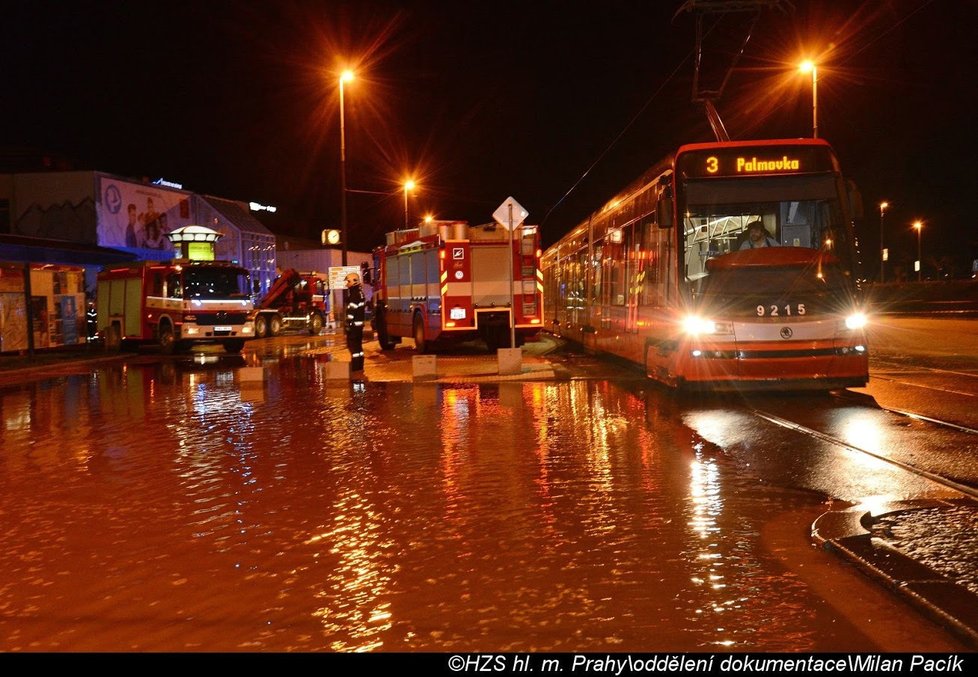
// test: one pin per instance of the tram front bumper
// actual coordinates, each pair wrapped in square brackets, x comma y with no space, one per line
[816,365]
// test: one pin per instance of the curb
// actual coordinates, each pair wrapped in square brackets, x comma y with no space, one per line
[848,533]
[44,370]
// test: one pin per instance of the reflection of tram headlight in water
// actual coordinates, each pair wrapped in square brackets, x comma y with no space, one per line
[856,321]
[694,325]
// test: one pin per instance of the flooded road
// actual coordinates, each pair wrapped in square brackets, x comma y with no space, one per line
[173,506]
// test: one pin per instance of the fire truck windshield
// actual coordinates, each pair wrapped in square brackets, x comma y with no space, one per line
[215,283]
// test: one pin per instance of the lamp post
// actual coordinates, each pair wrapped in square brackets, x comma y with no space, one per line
[806,66]
[883,206]
[408,186]
[345,77]
[919,226]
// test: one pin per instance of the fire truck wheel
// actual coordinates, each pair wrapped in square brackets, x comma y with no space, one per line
[113,339]
[261,326]
[234,347]
[168,342]
[420,343]
[315,324]
[274,325]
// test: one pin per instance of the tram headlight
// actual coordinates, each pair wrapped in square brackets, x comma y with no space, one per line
[856,321]
[694,325]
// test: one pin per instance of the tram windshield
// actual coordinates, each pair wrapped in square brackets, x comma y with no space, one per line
[782,211]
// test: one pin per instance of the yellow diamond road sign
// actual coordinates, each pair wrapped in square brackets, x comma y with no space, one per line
[510,213]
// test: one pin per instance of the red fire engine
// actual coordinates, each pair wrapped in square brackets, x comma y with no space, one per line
[447,281]
[296,300]
[175,304]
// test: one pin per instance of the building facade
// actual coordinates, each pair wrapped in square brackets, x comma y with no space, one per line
[99,209]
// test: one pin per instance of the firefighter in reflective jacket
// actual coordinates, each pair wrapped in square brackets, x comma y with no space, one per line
[356,306]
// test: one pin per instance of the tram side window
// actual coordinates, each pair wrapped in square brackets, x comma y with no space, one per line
[577,279]
[619,240]
[596,273]
[653,287]
[554,286]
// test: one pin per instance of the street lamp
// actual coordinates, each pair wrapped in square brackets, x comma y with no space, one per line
[806,66]
[345,76]
[883,206]
[408,186]
[919,226]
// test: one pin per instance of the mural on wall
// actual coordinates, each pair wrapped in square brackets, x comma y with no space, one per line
[138,216]
[59,221]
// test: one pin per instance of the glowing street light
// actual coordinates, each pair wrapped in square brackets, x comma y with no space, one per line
[408,186]
[883,206]
[345,76]
[809,66]
[919,226]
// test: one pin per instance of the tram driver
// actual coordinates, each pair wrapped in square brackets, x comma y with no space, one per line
[757,237]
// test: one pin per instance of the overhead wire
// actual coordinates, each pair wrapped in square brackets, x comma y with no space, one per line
[617,138]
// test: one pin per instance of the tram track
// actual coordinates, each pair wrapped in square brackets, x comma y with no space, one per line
[953,372]
[786,424]
[846,395]
[899,366]
[924,387]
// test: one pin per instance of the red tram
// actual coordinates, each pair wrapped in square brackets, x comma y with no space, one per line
[668,275]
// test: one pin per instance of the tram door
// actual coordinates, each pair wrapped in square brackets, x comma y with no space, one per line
[634,276]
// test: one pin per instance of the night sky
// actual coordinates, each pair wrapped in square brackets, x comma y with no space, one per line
[481,100]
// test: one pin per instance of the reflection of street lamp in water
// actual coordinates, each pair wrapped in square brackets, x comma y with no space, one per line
[920,264]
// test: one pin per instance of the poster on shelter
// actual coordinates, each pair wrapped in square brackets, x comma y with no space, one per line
[138,216]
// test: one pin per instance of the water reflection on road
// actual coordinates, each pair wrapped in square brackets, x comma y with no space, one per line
[180,506]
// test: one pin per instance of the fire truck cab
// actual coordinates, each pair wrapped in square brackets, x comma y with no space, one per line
[446,281]
[295,300]
[175,304]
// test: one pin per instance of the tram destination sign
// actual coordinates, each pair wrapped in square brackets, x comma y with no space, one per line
[754,161]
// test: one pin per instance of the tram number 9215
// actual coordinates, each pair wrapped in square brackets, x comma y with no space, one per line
[787,310]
